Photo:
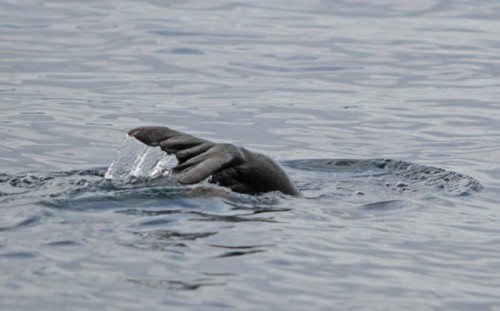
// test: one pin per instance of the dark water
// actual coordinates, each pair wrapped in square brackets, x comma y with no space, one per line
[345,82]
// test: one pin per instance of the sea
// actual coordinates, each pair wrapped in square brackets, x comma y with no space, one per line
[386,115]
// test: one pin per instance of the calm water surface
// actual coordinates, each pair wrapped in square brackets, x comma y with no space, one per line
[411,81]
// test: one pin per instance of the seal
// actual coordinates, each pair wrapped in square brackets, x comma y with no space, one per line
[227,165]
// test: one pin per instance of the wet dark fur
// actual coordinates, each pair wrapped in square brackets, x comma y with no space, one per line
[230,166]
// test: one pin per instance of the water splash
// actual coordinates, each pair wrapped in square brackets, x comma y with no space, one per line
[135,159]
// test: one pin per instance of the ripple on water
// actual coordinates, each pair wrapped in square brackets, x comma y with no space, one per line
[413,80]
[385,179]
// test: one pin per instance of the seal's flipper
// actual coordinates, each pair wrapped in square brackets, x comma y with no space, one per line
[154,135]
[198,158]
[182,145]
[230,166]
[209,162]
[186,154]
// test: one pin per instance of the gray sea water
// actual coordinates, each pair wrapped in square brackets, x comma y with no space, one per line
[385,113]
